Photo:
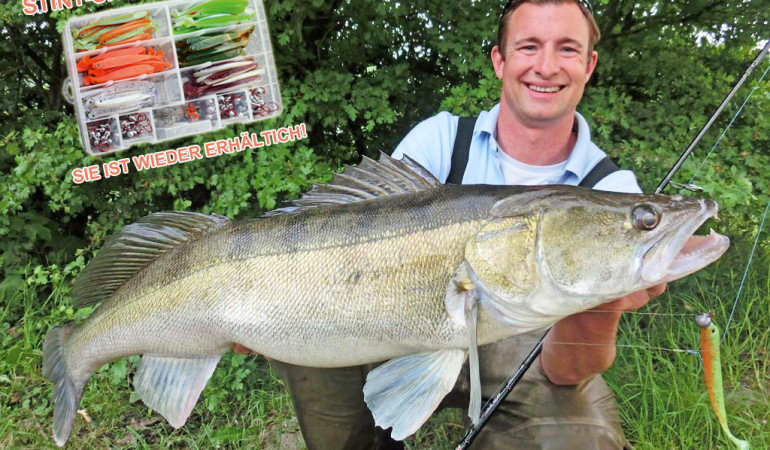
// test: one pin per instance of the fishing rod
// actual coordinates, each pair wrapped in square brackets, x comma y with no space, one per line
[502,393]
[505,389]
[705,128]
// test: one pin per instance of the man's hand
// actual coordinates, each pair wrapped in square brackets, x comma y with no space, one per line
[634,301]
[566,364]
[238,348]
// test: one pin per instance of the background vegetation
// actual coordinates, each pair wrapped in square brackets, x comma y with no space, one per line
[360,74]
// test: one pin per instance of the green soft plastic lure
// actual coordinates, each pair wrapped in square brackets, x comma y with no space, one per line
[215,7]
[712,368]
[211,14]
[212,47]
[212,41]
[188,25]
[214,57]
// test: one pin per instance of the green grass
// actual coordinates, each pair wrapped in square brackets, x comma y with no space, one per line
[661,393]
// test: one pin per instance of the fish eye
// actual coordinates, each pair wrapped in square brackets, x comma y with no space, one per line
[645,217]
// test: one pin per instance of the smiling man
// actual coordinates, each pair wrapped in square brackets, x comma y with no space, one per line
[544,57]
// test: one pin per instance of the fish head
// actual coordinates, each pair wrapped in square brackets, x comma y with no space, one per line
[591,246]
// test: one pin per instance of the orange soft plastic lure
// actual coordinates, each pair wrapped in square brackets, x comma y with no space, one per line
[126,60]
[712,368]
[122,29]
[120,74]
[121,64]
[141,37]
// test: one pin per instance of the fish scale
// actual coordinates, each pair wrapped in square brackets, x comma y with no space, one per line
[363,278]
[352,249]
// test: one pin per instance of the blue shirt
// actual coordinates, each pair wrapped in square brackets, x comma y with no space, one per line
[430,143]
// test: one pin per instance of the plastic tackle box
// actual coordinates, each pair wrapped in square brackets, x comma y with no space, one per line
[169,87]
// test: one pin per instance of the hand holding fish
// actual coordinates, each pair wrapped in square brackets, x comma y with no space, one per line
[633,301]
[571,364]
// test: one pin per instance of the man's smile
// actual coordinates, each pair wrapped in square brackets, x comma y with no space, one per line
[544,89]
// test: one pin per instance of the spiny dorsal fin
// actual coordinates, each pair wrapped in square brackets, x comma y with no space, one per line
[370,179]
[136,246]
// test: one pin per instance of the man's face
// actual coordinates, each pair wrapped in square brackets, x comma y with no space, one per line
[546,63]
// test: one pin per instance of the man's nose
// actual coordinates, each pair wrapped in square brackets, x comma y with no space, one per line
[547,64]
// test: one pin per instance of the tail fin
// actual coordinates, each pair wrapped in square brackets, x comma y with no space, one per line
[66,391]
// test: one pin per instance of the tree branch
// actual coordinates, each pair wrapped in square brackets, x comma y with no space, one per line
[661,20]
[26,50]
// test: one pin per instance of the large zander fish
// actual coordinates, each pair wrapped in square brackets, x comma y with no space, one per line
[383,264]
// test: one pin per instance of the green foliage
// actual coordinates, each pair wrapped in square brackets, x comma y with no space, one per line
[359,75]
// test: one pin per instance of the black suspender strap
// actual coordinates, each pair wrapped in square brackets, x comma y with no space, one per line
[461,149]
[601,170]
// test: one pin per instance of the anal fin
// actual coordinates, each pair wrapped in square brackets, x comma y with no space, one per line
[172,386]
[404,392]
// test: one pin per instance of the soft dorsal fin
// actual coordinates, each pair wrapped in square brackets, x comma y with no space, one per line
[136,246]
[370,179]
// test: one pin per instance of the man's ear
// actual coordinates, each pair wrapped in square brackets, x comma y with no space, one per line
[498,61]
[591,66]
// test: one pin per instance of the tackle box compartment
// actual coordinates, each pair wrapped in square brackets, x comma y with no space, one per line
[154,107]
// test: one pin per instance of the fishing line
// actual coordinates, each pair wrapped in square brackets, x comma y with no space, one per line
[735,116]
[746,272]
[600,311]
[630,346]
[764,216]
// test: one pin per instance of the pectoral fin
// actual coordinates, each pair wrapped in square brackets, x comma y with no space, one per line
[171,386]
[474,408]
[462,304]
[460,295]
[403,392]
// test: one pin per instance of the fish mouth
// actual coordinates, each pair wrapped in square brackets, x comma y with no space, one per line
[684,251]
[696,253]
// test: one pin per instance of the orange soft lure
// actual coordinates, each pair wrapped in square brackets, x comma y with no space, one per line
[709,341]
[137,26]
[120,64]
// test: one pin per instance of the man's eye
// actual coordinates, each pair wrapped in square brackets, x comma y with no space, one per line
[569,50]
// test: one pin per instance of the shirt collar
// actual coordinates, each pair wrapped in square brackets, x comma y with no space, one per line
[578,161]
[488,122]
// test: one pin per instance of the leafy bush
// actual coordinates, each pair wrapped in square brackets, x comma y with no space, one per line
[359,75]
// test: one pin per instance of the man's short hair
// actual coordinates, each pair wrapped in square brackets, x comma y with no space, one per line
[512,5]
